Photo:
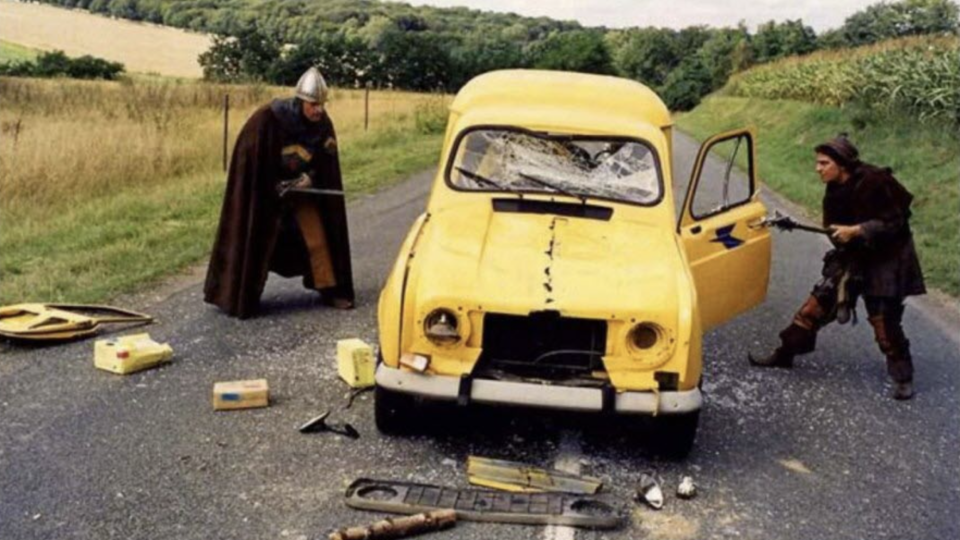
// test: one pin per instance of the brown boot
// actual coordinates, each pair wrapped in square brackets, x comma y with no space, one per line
[902,390]
[778,358]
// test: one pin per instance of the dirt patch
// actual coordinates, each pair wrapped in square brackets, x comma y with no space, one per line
[667,526]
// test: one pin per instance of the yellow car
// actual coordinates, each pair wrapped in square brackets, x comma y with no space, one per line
[551,269]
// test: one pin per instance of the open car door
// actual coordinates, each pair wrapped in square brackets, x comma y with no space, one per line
[728,252]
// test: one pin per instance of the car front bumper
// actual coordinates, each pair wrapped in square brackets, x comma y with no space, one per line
[571,398]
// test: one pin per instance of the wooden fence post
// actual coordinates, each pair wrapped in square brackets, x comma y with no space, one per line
[226,127]
[366,107]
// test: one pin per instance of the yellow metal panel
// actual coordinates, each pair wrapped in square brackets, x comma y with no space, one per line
[729,258]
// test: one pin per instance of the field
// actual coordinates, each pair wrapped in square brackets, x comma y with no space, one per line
[923,155]
[108,187]
[11,52]
[919,75]
[142,48]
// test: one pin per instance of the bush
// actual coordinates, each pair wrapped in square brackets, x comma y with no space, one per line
[58,64]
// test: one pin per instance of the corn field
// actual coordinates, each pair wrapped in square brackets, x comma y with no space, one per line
[915,75]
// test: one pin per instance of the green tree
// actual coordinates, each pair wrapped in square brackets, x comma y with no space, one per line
[775,40]
[647,55]
[583,51]
[907,18]
[686,84]
[250,56]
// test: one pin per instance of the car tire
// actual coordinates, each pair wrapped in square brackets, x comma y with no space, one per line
[392,411]
[674,435]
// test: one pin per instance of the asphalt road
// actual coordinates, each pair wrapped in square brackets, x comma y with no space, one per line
[817,452]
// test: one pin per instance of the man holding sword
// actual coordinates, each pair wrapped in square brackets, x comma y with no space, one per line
[866,212]
[283,210]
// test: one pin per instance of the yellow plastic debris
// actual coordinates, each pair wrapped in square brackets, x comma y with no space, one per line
[129,354]
[60,322]
[241,395]
[355,362]
[520,477]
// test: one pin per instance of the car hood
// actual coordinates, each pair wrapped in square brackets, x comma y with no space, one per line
[517,263]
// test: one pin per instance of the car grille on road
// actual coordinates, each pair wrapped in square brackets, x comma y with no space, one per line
[542,345]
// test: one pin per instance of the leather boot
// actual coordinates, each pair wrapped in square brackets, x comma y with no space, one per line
[902,390]
[778,358]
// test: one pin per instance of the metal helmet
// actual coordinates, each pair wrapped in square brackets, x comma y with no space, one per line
[311,87]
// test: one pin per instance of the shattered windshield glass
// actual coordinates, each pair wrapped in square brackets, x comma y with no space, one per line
[581,167]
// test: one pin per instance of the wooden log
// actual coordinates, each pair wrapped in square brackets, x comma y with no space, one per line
[400,527]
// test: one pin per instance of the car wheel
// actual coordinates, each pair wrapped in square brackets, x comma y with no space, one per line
[674,434]
[392,411]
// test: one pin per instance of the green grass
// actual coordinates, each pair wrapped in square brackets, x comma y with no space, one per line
[923,155]
[11,52]
[126,242]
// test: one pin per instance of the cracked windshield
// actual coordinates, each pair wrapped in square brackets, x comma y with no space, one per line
[515,161]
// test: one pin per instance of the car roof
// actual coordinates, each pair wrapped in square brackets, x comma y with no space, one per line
[602,98]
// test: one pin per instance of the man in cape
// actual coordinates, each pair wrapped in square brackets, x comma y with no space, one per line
[283,210]
[868,213]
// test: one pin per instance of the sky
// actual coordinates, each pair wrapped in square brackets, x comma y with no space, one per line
[820,14]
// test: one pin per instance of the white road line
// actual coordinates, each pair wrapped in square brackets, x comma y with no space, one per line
[568,460]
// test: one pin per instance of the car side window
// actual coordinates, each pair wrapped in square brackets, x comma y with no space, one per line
[725,177]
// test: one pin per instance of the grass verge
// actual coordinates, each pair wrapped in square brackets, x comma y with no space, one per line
[923,155]
[126,242]
[11,52]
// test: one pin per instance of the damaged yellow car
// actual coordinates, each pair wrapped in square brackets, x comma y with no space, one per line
[551,268]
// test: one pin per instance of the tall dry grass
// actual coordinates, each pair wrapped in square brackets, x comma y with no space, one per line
[107,187]
[63,142]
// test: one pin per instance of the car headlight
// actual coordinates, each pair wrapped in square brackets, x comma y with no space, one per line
[645,336]
[441,327]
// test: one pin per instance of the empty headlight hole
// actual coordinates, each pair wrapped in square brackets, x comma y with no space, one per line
[644,336]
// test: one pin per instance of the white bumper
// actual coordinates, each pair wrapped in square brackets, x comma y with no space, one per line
[569,398]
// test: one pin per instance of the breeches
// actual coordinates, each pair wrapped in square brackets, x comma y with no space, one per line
[885,316]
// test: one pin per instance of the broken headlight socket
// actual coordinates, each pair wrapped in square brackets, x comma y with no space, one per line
[644,336]
[442,327]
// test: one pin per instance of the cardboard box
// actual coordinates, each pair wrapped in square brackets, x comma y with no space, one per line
[355,362]
[241,395]
[129,354]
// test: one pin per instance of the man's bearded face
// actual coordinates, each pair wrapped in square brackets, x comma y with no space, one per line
[313,111]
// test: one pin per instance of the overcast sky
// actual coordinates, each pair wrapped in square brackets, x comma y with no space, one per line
[820,14]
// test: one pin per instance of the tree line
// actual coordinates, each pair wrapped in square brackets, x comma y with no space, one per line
[368,43]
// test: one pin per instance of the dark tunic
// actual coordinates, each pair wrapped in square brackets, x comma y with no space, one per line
[256,234]
[885,254]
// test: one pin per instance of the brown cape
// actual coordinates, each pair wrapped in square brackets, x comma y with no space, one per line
[250,240]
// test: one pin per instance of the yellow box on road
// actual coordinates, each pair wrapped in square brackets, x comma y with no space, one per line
[355,362]
[241,395]
[129,354]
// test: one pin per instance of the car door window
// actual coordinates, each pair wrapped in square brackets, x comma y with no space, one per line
[725,177]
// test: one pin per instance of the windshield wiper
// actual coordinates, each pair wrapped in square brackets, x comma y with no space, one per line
[483,180]
[551,185]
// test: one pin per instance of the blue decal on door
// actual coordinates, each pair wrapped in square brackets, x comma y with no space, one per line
[725,237]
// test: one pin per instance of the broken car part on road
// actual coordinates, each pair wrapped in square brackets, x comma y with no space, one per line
[650,492]
[479,505]
[519,477]
[61,322]
[687,488]
[318,424]
[400,527]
